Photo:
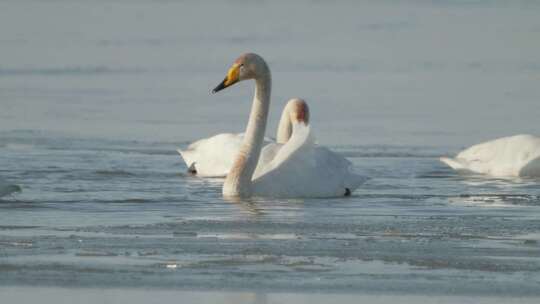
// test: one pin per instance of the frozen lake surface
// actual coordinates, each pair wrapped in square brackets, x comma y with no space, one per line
[96,97]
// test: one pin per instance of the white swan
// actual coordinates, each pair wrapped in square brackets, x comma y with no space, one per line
[6,188]
[297,170]
[214,156]
[511,156]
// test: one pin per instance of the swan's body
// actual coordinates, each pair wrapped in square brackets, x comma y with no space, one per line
[303,169]
[6,188]
[214,156]
[298,169]
[511,156]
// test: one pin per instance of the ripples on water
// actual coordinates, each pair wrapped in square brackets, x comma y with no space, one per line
[387,81]
[122,213]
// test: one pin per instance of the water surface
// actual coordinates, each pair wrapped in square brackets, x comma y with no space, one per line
[97,96]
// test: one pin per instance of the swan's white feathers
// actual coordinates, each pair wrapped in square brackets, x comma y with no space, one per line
[268,153]
[303,169]
[213,156]
[517,155]
[316,170]
[297,144]
[298,169]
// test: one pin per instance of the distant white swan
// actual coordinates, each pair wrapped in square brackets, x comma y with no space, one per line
[214,156]
[6,188]
[511,156]
[298,169]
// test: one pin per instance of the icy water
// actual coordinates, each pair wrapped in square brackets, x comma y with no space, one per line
[96,97]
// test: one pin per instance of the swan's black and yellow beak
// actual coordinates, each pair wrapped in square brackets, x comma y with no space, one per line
[231,78]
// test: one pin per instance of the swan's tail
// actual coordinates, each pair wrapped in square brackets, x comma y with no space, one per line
[9,189]
[188,159]
[453,163]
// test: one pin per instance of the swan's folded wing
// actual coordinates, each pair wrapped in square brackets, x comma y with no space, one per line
[338,169]
[290,154]
[454,163]
[302,169]
[268,154]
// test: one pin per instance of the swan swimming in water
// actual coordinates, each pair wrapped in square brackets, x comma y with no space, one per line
[297,169]
[513,156]
[214,156]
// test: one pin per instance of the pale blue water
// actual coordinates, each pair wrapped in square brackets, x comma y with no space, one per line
[95,98]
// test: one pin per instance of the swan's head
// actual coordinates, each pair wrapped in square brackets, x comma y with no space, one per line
[298,111]
[247,66]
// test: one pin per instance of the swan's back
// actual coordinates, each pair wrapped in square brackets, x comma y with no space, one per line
[517,155]
[213,156]
[303,169]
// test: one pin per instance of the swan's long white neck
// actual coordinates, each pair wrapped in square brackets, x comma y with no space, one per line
[238,181]
[296,110]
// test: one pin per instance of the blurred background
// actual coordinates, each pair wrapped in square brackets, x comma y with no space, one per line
[374,72]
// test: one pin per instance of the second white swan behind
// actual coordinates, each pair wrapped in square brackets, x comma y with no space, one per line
[214,156]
